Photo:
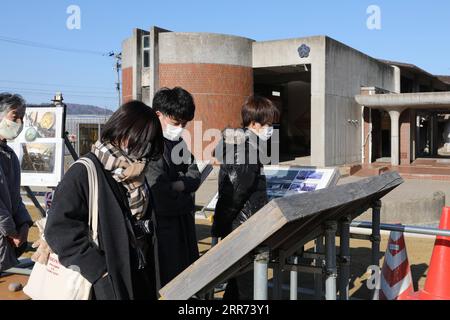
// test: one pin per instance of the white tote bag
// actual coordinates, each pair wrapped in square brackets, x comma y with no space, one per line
[53,281]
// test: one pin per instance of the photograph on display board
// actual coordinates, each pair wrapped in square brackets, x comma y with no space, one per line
[278,182]
[279,176]
[277,190]
[309,174]
[38,157]
[40,147]
[309,187]
[282,181]
[39,124]
[296,187]
[303,187]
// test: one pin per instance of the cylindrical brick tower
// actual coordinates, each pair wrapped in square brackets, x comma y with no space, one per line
[216,69]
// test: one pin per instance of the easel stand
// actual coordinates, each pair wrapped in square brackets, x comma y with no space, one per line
[75,157]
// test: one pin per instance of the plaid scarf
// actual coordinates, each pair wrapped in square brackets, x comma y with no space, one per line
[127,171]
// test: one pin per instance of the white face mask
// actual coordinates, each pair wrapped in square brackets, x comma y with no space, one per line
[265,133]
[10,129]
[172,133]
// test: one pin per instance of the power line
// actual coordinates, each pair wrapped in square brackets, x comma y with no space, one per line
[67,93]
[54,84]
[53,91]
[52,47]
[117,56]
[58,88]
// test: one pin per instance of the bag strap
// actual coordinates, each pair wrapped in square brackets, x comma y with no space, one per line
[93,196]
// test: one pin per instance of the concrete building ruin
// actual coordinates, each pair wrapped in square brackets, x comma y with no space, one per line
[339,106]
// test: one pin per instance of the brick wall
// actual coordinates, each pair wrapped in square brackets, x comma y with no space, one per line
[127,84]
[405,138]
[219,91]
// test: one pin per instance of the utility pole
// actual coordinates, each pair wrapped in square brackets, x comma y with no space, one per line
[117,68]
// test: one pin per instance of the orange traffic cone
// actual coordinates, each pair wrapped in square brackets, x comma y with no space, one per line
[396,279]
[437,284]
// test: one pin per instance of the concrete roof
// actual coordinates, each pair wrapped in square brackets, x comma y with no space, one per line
[423,100]
[415,69]
[445,79]
[407,66]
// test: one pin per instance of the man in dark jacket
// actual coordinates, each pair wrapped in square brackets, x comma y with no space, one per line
[173,180]
[242,185]
[14,218]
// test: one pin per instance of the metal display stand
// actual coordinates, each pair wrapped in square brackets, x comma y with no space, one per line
[330,180]
[275,236]
[57,102]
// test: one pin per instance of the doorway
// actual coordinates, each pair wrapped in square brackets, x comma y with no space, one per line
[289,87]
[432,134]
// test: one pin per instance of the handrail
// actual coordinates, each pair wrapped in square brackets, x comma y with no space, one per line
[403,228]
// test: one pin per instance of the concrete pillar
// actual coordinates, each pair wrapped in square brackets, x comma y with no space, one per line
[395,135]
[318,278]
[154,60]
[137,64]
[376,239]
[330,256]
[260,275]
[397,79]
[294,281]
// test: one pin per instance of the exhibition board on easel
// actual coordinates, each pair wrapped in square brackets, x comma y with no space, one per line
[40,147]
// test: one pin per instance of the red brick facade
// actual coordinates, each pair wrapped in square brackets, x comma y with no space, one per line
[127,84]
[405,138]
[219,91]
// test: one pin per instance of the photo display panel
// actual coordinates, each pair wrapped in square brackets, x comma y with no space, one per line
[40,147]
[283,181]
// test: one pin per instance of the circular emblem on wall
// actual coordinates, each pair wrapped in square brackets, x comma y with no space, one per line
[303,51]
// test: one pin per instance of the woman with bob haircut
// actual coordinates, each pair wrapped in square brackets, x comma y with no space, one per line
[123,266]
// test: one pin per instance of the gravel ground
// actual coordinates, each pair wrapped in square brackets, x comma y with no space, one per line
[419,253]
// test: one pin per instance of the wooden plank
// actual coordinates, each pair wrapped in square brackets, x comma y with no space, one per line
[307,232]
[224,255]
[295,234]
[301,205]
[288,221]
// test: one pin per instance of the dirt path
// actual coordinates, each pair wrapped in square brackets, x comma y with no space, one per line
[419,254]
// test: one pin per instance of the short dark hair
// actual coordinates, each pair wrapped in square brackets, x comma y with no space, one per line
[9,101]
[138,123]
[175,103]
[259,109]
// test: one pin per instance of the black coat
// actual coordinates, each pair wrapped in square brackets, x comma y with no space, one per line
[175,211]
[242,185]
[67,234]
[13,213]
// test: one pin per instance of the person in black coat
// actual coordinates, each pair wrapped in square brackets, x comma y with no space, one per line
[242,185]
[173,180]
[124,265]
[15,220]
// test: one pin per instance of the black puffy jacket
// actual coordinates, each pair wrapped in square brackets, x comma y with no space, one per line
[242,185]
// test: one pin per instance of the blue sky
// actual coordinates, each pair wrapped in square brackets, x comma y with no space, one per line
[411,31]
